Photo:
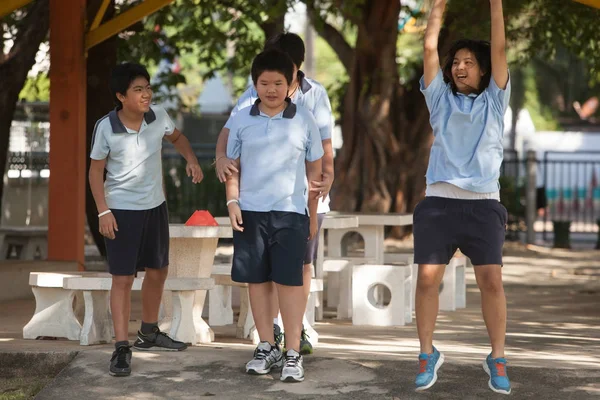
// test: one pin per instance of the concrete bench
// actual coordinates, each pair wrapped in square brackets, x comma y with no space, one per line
[187,326]
[54,315]
[28,242]
[453,290]
[220,310]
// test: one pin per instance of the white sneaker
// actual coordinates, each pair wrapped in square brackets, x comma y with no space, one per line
[293,371]
[266,357]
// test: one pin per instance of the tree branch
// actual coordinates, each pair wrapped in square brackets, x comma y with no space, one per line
[334,38]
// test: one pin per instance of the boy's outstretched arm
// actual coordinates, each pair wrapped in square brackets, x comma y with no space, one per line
[499,64]
[182,145]
[224,166]
[431,59]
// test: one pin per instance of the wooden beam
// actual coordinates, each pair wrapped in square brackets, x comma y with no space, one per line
[591,3]
[66,194]
[122,21]
[100,14]
[8,6]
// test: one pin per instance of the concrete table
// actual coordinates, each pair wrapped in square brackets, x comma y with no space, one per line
[192,254]
[371,227]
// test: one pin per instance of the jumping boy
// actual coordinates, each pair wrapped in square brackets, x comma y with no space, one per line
[467,99]
[312,95]
[277,148]
[131,204]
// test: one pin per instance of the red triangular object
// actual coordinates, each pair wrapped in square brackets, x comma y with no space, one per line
[201,218]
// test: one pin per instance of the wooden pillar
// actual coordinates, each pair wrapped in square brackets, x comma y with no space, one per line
[66,203]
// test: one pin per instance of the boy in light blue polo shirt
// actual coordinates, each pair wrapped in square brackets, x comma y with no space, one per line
[278,150]
[133,214]
[312,95]
[467,99]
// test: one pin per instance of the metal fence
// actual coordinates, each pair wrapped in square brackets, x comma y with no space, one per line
[572,193]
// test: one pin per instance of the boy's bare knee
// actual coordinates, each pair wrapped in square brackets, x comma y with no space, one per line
[122,281]
[429,277]
[156,274]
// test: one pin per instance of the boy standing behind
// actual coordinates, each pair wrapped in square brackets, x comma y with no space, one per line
[131,204]
[277,146]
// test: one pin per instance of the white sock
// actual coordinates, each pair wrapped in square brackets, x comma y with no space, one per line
[275,321]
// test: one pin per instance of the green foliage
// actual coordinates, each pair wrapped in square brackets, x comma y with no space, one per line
[541,114]
[36,88]
[184,197]
[510,196]
[224,36]
[216,36]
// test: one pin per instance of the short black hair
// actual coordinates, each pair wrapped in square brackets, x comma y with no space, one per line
[291,44]
[482,51]
[122,76]
[273,60]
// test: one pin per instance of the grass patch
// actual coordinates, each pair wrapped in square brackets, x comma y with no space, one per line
[22,388]
[24,374]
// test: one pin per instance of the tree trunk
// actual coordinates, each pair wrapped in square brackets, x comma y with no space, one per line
[385,126]
[14,68]
[102,58]
[517,100]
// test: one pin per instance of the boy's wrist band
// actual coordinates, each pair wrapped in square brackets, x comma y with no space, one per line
[103,213]
[232,201]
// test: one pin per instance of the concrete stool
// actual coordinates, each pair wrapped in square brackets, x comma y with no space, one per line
[339,286]
[367,304]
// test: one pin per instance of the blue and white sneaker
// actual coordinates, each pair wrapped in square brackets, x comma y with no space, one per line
[428,367]
[496,369]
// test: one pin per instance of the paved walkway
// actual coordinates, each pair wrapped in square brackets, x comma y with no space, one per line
[553,348]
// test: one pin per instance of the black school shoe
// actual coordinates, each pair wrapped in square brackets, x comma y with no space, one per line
[120,362]
[157,341]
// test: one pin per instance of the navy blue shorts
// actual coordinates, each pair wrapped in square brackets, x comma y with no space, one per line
[141,242]
[476,227]
[313,245]
[271,248]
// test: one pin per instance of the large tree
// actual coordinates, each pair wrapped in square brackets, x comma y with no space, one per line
[26,28]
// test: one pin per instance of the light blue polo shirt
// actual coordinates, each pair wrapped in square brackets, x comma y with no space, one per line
[312,95]
[133,159]
[273,152]
[467,148]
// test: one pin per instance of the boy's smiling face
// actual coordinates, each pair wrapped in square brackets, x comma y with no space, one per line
[272,89]
[138,97]
[466,72]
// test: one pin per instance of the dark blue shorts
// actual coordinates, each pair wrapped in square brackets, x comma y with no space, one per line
[271,248]
[313,245]
[476,227]
[141,242]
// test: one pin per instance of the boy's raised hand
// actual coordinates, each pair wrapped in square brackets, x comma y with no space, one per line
[194,170]
[225,167]
[235,216]
[108,226]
